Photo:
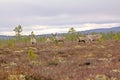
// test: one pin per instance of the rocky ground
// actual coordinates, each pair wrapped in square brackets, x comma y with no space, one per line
[68,61]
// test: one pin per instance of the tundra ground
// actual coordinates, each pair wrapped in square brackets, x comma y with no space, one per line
[68,61]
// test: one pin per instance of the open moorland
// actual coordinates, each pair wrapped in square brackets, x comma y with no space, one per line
[68,61]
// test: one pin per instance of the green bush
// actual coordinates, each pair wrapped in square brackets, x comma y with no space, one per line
[115,37]
[101,39]
[31,54]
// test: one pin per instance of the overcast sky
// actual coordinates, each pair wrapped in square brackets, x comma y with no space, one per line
[50,16]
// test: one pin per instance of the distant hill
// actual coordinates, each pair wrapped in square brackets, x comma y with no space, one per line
[5,37]
[104,30]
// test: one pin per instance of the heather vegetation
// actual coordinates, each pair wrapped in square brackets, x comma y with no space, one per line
[95,60]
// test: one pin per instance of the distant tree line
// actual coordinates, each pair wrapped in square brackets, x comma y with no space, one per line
[70,36]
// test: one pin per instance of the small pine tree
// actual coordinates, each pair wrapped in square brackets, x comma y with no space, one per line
[115,37]
[31,54]
[101,39]
[72,33]
[18,31]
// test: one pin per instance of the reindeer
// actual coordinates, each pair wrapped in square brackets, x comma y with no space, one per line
[82,39]
[94,37]
[58,38]
[33,40]
[89,38]
[48,40]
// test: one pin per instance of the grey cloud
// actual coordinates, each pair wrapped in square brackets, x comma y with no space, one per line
[57,12]
[56,7]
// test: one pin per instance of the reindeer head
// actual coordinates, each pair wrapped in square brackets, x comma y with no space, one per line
[54,35]
[58,38]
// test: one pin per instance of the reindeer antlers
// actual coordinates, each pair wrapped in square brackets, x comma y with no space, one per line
[54,34]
